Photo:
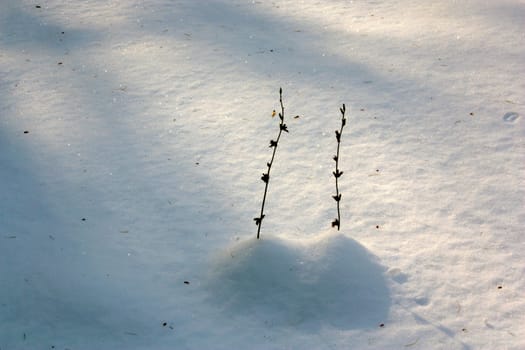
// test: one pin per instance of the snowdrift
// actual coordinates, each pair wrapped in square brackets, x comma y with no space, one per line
[326,280]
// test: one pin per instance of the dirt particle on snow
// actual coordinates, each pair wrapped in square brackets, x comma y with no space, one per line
[382,325]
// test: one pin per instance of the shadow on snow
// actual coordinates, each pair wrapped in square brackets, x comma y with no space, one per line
[330,280]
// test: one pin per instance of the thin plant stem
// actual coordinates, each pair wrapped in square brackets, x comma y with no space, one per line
[337,173]
[266,176]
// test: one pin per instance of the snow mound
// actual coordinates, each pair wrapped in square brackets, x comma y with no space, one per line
[327,280]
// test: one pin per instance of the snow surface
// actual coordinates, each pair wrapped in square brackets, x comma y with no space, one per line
[133,135]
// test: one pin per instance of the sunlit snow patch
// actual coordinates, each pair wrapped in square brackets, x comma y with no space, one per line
[326,280]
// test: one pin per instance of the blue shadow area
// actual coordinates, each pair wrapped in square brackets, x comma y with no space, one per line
[333,281]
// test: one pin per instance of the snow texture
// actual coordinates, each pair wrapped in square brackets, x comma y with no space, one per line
[133,135]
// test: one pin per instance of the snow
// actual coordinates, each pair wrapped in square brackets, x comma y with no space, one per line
[133,135]
[328,279]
